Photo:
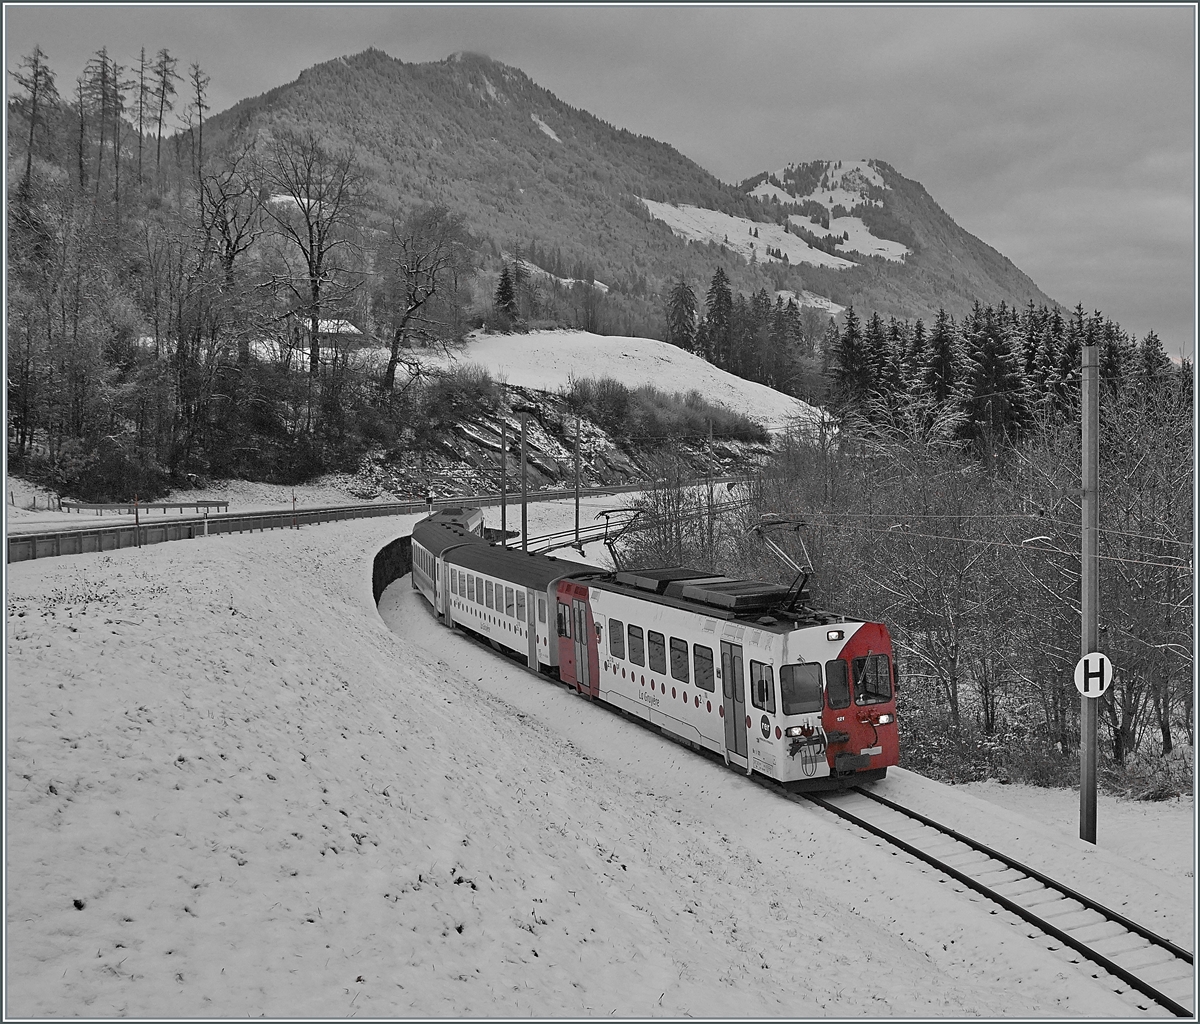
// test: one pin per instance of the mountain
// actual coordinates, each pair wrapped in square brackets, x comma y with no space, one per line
[587,200]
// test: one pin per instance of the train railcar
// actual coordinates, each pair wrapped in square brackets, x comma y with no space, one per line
[744,668]
[507,597]
[431,538]
[800,696]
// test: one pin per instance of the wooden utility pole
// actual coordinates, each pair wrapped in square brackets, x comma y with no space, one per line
[1090,597]
[504,483]
[524,489]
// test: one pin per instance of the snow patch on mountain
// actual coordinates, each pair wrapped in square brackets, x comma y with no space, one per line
[859,237]
[696,224]
[807,298]
[535,271]
[545,127]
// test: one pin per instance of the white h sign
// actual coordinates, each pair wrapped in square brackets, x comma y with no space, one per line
[1093,674]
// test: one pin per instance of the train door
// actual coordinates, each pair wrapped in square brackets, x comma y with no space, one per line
[733,689]
[531,636]
[583,677]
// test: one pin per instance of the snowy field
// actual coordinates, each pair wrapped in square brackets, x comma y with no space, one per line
[547,360]
[235,787]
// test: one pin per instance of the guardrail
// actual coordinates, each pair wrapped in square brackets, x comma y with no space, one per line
[128,507]
[25,546]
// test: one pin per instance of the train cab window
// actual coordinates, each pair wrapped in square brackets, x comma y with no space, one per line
[520,606]
[702,659]
[800,689]
[510,602]
[637,646]
[616,638]
[541,609]
[837,684]
[564,620]
[490,594]
[479,590]
[658,651]
[679,660]
[762,686]
[872,680]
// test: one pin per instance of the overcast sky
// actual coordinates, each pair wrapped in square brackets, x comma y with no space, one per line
[1065,137]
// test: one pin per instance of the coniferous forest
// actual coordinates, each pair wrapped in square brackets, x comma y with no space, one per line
[187,303]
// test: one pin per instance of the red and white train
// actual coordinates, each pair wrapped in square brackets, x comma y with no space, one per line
[802,696]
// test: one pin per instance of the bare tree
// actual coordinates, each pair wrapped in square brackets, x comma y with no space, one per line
[314,198]
[165,77]
[424,254]
[36,78]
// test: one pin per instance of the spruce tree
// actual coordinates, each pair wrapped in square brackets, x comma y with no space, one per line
[943,372]
[719,319]
[506,297]
[998,397]
[851,371]
[681,316]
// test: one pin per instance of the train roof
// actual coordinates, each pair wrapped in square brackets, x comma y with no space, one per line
[720,597]
[526,569]
[438,535]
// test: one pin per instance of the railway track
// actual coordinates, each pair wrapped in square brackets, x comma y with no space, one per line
[1158,970]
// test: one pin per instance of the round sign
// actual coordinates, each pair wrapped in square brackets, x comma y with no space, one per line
[1093,674]
[766,727]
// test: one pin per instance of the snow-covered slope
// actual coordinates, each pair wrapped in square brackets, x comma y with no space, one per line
[547,360]
[233,788]
[697,224]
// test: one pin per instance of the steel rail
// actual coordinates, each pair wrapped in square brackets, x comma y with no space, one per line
[1046,880]
[1107,964]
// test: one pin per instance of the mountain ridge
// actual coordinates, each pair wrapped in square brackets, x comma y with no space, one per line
[523,165]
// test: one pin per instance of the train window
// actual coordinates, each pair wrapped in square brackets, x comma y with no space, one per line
[564,620]
[479,590]
[541,609]
[837,684]
[762,686]
[872,681]
[658,651]
[470,588]
[702,658]
[490,598]
[616,638]
[637,647]
[800,689]
[453,580]
[520,606]
[510,602]
[679,660]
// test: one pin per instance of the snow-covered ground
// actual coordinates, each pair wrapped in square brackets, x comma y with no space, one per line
[547,360]
[697,224]
[236,787]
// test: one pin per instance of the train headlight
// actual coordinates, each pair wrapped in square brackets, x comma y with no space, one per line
[886,719]
[834,634]
[797,730]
